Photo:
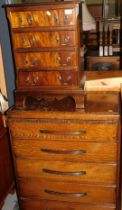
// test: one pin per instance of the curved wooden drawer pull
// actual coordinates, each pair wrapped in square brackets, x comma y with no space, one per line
[81,132]
[73,152]
[77,173]
[76,195]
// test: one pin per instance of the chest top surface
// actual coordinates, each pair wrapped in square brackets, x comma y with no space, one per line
[97,106]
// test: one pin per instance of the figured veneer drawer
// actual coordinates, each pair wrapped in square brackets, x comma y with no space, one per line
[43,18]
[29,203]
[57,130]
[64,191]
[47,78]
[66,171]
[46,59]
[68,151]
[44,39]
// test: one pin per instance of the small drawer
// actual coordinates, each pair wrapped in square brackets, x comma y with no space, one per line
[32,79]
[42,18]
[44,39]
[66,171]
[29,203]
[64,191]
[68,151]
[46,60]
[106,63]
[67,130]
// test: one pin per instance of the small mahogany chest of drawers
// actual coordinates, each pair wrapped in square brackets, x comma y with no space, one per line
[46,47]
[68,160]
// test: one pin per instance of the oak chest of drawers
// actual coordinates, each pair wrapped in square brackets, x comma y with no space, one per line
[68,160]
[46,48]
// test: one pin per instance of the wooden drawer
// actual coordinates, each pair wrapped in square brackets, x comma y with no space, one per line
[32,79]
[71,192]
[66,171]
[46,59]
[106,63]
[43,18]
[64,130]
[44,39]
[37,204]
[66,151]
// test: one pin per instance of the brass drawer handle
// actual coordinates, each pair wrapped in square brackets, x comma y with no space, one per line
[56,18]
[66,39]
[65,17]
[68,59]
[69,78]
[26,61]
[76,195]
[27,79]
[20,19]
[59,77]
[58,59]
[77,173]
[73,152]
[57,39]
[32,40]
[81,132]
[35,79]
[34,60]
[23,40]
[30,20]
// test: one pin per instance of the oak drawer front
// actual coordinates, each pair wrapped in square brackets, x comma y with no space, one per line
[46,59]
[44,39]
[71,192]
[67,151]
[47,78]
[66,130]
[66,171]
[43,18]
[37,204]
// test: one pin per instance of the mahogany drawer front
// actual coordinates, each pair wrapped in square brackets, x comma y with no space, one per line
[29,203]
[68,151]
[44,39]
[64,130]
[46,59]
[43,18]
[66,171]
[71,192]
[29,79]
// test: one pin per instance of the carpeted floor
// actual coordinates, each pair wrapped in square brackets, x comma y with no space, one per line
[11,202]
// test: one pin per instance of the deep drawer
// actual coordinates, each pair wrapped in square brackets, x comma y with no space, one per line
[64,130]
[46,59]
[44,39]
[66,151]
[47,78]
[37,204]
[43,18]
[71,192]
[66,171]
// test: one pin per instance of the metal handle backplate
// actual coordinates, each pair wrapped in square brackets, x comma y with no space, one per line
[76,195]
[81,132]
[74,152]
[77,173]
